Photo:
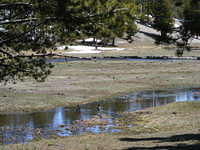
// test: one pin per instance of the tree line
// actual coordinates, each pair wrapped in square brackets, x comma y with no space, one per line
[35,25]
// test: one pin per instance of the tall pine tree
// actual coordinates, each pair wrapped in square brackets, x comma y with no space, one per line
[110,19]
[35,25]
[163,17]
[191,22]
[192,18]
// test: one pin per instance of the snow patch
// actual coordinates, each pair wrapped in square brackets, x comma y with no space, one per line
[62,47]
[176,25]
[89,40]
[80,49]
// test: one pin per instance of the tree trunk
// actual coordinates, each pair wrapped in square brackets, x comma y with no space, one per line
[113,41]
[95,42]
[163,36]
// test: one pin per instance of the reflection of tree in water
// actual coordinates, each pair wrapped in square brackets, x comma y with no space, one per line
[42,119]
[116,106]
[89,109]
[14,120]
[72,115]
[150,99]
[9,135]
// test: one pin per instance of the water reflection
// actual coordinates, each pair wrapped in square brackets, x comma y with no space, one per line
[21,128]
[126,58]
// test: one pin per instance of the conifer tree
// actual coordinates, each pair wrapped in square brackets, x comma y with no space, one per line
[35,25]
[163,17]
[191,23]
[111,19]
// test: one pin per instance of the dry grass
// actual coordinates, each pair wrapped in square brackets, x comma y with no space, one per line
[175,116]
[81,82]
[174,126]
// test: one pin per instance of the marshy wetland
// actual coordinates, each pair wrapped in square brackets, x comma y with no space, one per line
[96,117]
[94,97]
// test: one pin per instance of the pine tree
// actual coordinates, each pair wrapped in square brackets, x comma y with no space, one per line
[163,22]
[191,22]
[192,17]
[111,19]
[35,25]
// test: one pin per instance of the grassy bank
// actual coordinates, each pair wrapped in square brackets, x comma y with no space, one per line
[81,82]
[173,126]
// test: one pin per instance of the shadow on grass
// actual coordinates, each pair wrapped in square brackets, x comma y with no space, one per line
[177,147]
[176,138]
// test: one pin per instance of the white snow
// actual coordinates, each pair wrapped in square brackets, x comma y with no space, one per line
[81,49]
[176,25]
[89,40]
[61,47]
[2,29]
[110,49]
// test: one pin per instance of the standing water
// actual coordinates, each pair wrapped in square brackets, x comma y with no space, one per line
[67,121]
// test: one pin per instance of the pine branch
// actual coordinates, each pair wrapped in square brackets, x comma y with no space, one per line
[9,5]
[18,21]
[6,53]
[23,34]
